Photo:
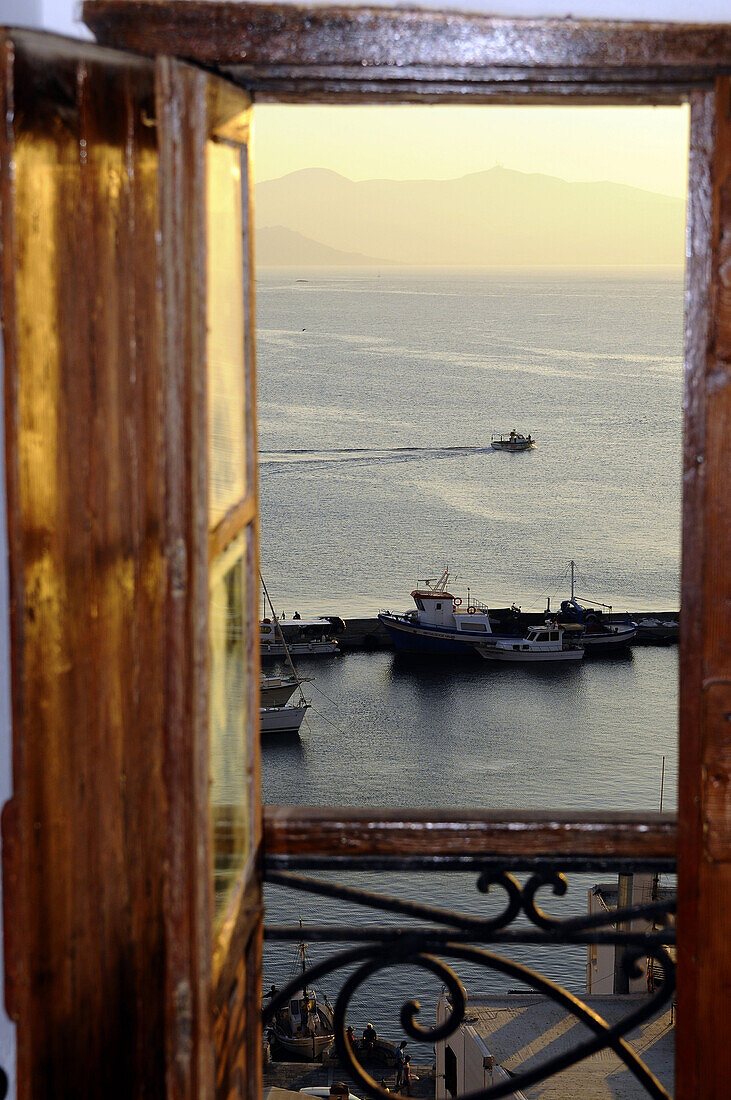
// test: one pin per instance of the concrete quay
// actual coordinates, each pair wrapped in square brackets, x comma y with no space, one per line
[654,628]
[293,1076]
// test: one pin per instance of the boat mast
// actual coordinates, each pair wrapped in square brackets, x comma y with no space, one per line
[277,628]
[572,563]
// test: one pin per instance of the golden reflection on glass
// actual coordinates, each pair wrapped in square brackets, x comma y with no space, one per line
[225,345]
[228,712]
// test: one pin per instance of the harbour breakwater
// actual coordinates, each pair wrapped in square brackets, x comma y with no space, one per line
[653,628]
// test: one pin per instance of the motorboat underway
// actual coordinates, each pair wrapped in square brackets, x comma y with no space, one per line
[547,643]
[275,691]
[440,623]
[282,719]
[304,1026]
[513,442]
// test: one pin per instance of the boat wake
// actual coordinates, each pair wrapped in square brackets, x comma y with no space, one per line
[283,461]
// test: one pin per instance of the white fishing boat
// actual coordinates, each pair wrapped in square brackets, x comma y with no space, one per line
[301,637]
[547,643]
[513,442]
[282,719]
[304,1026]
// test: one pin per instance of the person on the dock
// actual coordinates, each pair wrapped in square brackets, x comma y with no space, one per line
[408,1076]
[351,1038]
[400,1063]
[369,1038]
[296,615]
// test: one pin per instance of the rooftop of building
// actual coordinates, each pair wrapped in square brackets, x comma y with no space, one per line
[523,1030]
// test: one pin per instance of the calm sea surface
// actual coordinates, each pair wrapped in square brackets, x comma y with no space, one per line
[378,394]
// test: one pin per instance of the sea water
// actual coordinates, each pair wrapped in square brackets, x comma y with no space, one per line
[378,394]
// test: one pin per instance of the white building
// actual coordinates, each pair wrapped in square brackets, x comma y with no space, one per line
[603,959]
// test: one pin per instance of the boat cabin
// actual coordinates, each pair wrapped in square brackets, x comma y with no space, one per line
[435,608]
[303,1012]
[301,630]
[475,620]
[545,634]
[443,610]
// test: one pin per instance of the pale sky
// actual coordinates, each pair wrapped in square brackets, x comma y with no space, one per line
[641,146]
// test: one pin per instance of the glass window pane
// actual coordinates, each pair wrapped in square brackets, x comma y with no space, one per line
[225,346]
[228,715]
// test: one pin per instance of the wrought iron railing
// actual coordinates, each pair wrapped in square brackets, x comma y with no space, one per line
[428,935]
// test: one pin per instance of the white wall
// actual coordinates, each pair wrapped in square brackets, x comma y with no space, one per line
[60,15]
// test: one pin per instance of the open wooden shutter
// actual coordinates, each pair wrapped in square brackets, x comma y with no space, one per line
[132,908]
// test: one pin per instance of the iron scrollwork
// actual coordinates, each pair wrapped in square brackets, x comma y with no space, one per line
[455,936]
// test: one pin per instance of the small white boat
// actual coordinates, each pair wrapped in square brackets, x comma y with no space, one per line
[282,719]
[513,442]
[275,716]
[299,637]
[546,643]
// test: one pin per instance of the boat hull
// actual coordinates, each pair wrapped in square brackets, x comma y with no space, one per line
[310,1044]
[612,638]
[515,656]
[307,1048]
[410,638]
[273,650]
[498,446]
[275,692]
[281,719]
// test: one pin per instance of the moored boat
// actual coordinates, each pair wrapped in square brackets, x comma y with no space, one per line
[301,637]
[604,630]
[513,442]
[550,642]
[440,623]
[276,691]
[601,629]
[282,719]
[600,632]
[304,1025]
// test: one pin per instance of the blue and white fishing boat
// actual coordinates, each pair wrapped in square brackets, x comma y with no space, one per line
[601,628]
[440,622]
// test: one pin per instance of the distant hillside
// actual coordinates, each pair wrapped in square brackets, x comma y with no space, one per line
[277,246]
[495,218]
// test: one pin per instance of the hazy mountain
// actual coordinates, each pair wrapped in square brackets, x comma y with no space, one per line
[497,217]
[277,246]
